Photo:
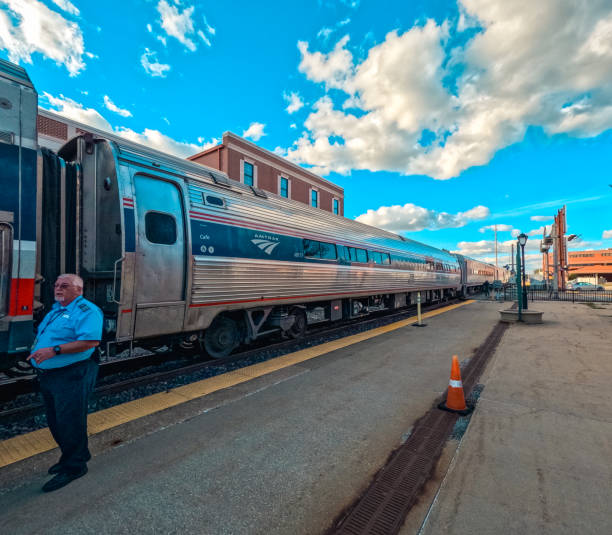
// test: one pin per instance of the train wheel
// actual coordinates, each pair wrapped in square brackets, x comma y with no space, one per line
[298,329]
[221,337]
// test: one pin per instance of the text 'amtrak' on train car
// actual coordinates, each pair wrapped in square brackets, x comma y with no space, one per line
[176,253]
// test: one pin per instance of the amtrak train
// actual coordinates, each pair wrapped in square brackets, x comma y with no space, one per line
[176,253]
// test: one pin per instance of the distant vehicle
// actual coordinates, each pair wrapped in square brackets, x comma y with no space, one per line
[584,286]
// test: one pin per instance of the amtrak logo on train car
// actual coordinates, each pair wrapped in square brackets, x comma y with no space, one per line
[265,245]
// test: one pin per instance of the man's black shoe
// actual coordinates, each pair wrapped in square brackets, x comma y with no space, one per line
[55,469]
[62,479]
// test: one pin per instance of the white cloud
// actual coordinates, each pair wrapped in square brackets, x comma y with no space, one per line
[531,63]
[487,247]
[542,217]
[156,140]
[149,61]
[334,69]
[180,25]
[294,100]
[324,33]
[500,228]
[149,137]
[76,111]
[66,6]
[255,131]
[112,107]
[536,231]
[578,244]
[606,234]
[29,27]
[410,217]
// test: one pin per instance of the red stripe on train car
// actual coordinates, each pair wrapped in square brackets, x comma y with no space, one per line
[262,299]
[21,297]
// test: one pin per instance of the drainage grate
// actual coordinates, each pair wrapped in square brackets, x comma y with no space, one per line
[383,507]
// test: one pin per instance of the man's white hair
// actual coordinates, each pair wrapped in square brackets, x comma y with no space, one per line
[74,279]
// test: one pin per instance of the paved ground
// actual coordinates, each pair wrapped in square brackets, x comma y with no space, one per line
[282,454]
[537,456]
[286,453]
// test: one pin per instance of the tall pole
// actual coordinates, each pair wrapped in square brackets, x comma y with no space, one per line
[525,304]
[555,236]
[519,290]
[512,257]
[496,246]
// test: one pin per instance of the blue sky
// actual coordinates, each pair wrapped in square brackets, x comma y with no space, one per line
[438,118]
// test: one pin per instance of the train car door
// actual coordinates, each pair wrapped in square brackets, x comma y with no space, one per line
[159,288]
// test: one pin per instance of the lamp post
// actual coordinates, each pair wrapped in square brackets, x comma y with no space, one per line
[522,240]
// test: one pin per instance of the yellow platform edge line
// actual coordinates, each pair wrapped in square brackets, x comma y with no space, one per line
[27,445]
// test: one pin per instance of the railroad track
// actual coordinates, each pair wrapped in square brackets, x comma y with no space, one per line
[12,388]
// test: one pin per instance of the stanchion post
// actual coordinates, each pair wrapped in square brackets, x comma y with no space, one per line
[419,323]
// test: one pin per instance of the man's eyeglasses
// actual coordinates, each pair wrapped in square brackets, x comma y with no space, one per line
[62,285]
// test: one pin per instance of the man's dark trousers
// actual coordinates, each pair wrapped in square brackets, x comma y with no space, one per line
[66,393]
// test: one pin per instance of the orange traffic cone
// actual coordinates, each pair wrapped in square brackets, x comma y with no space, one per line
[455,400]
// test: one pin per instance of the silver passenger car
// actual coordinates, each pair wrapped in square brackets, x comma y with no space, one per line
[169,247]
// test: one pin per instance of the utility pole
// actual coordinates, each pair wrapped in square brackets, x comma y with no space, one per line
[496,246]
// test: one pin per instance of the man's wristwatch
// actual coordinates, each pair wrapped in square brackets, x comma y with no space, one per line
[57,350]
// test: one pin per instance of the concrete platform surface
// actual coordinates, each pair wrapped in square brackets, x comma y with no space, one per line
[282,454]
[537,455]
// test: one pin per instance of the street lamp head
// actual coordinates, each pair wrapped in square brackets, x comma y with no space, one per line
[522,239]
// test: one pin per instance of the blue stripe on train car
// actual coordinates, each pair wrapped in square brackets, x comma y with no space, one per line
[9,200]
[214,239]
[130,229]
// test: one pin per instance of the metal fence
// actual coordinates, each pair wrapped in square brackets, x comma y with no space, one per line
[573,296]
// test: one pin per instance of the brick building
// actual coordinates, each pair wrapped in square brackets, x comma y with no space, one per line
[54,130]
[246,162]
[593,266]
[240,159]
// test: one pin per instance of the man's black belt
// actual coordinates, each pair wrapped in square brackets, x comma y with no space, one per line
[40,371]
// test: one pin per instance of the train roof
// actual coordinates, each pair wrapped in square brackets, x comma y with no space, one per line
[303,216]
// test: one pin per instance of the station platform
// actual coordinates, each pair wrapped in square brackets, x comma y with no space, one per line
[286,452]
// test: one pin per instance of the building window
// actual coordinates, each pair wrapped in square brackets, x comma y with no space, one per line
[284,187]
[314,198]
[336,206]
[249,174]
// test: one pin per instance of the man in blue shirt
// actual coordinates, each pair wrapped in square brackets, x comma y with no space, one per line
[62,357]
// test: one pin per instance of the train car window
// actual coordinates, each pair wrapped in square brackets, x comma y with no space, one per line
[213,201]
[160,228]
[375,257]
[311,249]
[343,253]
[386,259]
[328,251]
[362,256]
[317,249]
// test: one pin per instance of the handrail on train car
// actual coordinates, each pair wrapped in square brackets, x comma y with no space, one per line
[115,279]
